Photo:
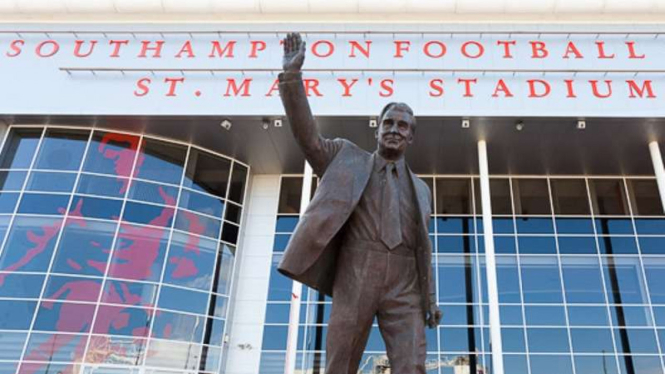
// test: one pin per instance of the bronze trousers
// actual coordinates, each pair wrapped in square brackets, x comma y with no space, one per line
[381,283]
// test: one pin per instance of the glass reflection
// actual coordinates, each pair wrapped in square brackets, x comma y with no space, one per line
[62,150]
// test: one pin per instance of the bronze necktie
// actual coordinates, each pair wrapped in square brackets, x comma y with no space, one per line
[391,232]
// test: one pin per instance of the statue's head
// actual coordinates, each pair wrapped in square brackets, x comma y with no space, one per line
[397,126]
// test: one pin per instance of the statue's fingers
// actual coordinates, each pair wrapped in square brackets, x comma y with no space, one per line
[287,43]
[298,40]
[303,47]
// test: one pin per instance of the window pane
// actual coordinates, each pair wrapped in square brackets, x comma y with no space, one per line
[173,355]
[577,245]
[11,345]
[608,197]
[12,180]
[130,293]
[620,245]
[103,186]
[508,279]
[654,268]
[592,340]
[570,197]
[289,195]
[582,279]
[645,197]
[51,182]
[541,364]
[224,269]
[72,289]
[531,225]
[531,196]
[55,347]
[153,193]
[574,226]
[191,261]
[588,316]
[62,150]
[84,247]
[176,326]
[43,204]
[64,317]
[205,204]
[20,148]
[238,181]
[160,161]
[30,244]
[540,280]
[500,193]
[453,196]
[230,233]
[8,202]
[233,213]
[536,244]
[513,340]
[197,224]
[92,207]
[148,214]
[16,315]
[596,364]
[453,274]
[21,285]
[545,315]
[547,340]
[183,300]
[624,280]
[112,153]
[207,173]
[139,253]
[135,321]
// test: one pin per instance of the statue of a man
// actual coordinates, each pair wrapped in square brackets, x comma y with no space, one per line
[363,239]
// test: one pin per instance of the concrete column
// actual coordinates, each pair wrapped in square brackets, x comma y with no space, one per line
[490,258]
[248,307]
[657,160]
[296,290]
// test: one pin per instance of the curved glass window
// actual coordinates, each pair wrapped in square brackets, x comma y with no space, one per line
[113,252]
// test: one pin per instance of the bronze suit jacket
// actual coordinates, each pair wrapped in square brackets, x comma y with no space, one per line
[311,254]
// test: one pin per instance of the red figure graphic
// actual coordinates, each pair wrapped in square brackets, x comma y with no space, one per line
[137,250]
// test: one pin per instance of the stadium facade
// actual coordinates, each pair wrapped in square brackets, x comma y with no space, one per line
[149,182]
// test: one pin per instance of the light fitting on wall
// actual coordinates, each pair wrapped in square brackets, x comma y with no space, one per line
[466,123]
[226,124]
[581,124]
[372,123]
[519,125]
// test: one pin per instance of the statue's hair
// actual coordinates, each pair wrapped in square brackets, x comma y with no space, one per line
[399,106]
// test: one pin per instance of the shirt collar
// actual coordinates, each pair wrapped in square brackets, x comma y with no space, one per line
[380,163]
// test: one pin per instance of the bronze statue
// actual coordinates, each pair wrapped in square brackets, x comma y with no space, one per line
[363,238]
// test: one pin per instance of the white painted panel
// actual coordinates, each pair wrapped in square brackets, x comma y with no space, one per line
[90,6]
[41,6]
[535,7]
[385,6]
[427,6]
[630,6]
[338,6]
[284,6]
[189,6]
[480,6]
[578,6]
[143,6]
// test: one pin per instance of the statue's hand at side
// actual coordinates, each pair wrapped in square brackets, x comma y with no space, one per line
[294,53]
[434,315]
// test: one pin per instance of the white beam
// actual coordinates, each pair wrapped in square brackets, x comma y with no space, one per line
[296,290]
[657,160]
[490,258]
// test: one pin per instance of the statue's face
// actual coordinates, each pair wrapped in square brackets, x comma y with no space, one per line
[395,133]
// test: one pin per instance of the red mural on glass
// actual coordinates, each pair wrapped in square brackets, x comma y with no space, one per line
[135,256]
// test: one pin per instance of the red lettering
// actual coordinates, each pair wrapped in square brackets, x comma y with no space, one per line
[347,86]
[256,47]
[538,50]
[479,47]
[441,50]
[312,86]
[601,50]
[506,47]
[173,82]
[77,48]
[386,87]
[55,47]
[572,48]
[227,51]
[186,48]
[15,46]
[232,86]
[594,88]
[116,46]
[157,49]
[355,45]
[142,87]
[569,88]
[631,51]
[532,88]
[502,87]
[437,86]
[317,53]
[401,46]
[467,85]
[635,90]
[274,88]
